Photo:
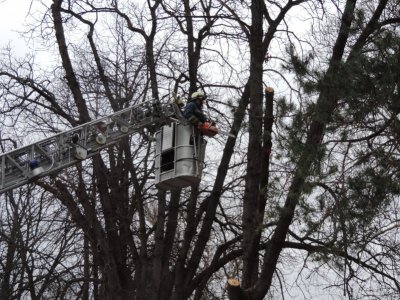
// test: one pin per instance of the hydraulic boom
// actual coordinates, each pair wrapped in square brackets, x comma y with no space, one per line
[62,150]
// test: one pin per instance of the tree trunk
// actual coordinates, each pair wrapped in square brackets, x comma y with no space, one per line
[251,228]
[5,288]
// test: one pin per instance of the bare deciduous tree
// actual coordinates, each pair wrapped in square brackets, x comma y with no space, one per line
[309,180]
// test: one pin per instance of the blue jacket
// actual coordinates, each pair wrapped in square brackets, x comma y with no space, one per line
[194,113]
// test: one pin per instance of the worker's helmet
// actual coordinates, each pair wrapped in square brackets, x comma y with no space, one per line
[198,96]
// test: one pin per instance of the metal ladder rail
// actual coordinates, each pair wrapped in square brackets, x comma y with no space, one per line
[62,150]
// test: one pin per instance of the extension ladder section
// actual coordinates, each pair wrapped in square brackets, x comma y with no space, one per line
[50,155]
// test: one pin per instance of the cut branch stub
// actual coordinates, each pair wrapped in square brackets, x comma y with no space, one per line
[235,292]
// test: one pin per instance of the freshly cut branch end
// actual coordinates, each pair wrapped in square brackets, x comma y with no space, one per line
[233,282]
[269,90]
[235,292]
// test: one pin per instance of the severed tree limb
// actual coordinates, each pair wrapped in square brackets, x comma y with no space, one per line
[235,292]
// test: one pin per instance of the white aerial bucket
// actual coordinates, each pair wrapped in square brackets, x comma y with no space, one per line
[179,156]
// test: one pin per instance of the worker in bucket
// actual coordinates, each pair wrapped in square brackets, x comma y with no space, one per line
[194,113]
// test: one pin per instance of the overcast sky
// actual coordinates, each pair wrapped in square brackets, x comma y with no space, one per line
[12,16]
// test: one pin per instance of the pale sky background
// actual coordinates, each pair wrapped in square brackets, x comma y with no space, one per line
[12,18]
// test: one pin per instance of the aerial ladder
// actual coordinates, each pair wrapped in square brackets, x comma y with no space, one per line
[179,150]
